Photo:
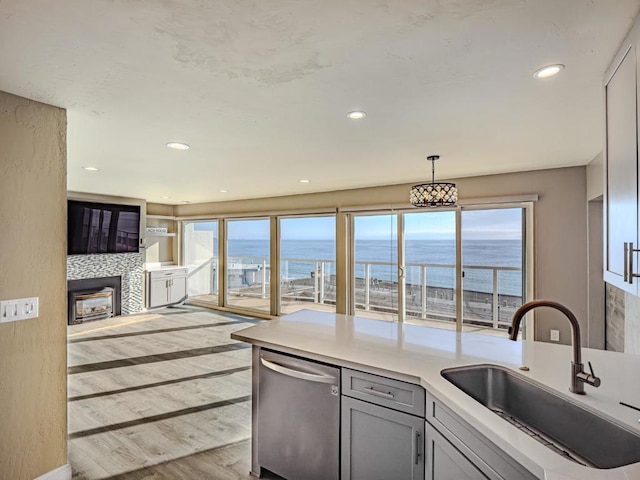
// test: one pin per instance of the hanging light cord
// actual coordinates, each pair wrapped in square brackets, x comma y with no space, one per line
[433,170]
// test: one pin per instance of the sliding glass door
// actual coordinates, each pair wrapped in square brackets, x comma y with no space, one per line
[430,271]
[405,265]
[409,265]
[375,266]
[308,263]
[248,265]
[493,265]
[200,251]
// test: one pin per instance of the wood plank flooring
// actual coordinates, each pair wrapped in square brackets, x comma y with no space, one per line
[160,396]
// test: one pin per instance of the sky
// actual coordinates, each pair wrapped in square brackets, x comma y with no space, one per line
[495,224]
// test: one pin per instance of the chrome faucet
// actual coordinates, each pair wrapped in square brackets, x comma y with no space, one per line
[578,376]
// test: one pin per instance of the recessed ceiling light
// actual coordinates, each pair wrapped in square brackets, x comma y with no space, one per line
[305,181]
[548,71]
[178,146]
[224,191]
[184,202]
[165,197]
[357,115]
[91,169]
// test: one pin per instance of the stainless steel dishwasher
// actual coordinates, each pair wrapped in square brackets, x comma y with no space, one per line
[298,417]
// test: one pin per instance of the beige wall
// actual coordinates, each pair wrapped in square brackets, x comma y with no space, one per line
[595,177]
[596,287]
[560,227]
[160,209]
[162,249]
[33,380]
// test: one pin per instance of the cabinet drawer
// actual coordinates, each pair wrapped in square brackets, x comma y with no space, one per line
[488,458]
[401,396]
[170,273]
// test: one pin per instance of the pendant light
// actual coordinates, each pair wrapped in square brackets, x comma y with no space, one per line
[433,194]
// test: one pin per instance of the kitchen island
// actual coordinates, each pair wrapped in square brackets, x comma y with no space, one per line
[416,355]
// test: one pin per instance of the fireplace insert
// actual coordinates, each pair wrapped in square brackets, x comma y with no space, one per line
[92,305]
[93,299]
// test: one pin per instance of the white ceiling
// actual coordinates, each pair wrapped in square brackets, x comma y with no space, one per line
[260,89]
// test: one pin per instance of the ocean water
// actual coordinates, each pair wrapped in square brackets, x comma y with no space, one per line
[298,256]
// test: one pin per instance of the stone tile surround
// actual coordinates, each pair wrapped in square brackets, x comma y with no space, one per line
[129,266]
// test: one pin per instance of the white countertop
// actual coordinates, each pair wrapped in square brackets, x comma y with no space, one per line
[155,267]
[417,354]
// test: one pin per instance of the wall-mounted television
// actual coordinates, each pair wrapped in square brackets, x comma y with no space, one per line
[102,228]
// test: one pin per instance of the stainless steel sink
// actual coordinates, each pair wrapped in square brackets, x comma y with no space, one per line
[561,425]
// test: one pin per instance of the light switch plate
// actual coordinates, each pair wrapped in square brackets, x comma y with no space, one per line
[18,309]
[555,335]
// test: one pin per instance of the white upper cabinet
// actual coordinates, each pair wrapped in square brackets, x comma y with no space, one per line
[621,168]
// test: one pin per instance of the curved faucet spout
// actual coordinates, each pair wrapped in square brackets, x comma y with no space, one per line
[578,376]
[575,326]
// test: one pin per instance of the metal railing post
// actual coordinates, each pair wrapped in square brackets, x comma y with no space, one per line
[496,305]
[367,284]
[423,291]
[321,280]
[264,279]
[315,281]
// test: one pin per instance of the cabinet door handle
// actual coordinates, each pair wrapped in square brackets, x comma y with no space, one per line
[631,263]
[418,449]
[626,263]
[378,393]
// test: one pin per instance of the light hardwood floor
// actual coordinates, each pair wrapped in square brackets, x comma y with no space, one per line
[160,396]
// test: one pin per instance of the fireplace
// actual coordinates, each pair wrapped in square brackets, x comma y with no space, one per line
[93,299]
[92,305]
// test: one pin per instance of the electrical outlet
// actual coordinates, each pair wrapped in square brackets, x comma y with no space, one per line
[19,309]
[555,335]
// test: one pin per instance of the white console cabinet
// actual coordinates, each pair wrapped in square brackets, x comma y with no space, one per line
[167,286]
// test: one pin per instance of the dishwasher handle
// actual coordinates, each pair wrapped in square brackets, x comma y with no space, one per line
[312,377]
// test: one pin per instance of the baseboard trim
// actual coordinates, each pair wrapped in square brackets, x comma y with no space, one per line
[60,473]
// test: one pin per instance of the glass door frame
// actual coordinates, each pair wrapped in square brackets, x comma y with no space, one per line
[223,229]
[277,306]
[527,247]
[528,290]
[401,259]
[182,245]
[351,281]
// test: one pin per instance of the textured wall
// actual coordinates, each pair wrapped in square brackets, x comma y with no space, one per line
[126,265]
[614,319]
[631,324]
[33,408]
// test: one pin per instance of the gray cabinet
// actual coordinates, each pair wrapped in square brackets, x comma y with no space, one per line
[621,168]
[445,462]
[455,450]
[386,392]
[166,287]
[379,443]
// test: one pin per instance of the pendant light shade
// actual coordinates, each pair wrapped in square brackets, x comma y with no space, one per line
[433,194]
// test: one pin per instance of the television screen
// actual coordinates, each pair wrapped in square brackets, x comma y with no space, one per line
[102,228]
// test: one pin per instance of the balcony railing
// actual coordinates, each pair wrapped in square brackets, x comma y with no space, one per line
[429,288]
